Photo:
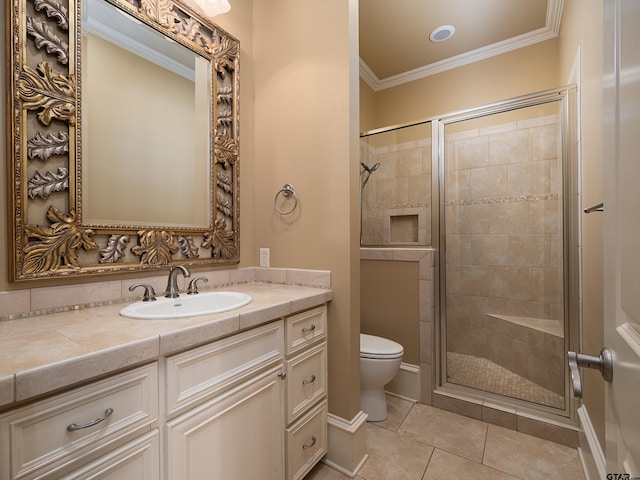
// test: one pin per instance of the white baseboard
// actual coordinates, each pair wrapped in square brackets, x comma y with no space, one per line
[347,449]
[591,455]
[406,383]
[350,474]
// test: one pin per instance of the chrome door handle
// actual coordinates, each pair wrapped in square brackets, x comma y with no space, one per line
[603,362]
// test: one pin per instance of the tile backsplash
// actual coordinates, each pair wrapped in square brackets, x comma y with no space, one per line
[44,300]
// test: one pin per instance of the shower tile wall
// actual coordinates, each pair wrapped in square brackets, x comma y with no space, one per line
[396,201]
[504,245]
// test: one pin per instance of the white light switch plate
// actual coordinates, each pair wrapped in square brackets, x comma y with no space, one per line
[264,257]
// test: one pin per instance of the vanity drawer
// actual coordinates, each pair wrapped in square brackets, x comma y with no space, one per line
[306,442]
[198,374]
[306,380]
[305,328]
[139,460]
[44,439]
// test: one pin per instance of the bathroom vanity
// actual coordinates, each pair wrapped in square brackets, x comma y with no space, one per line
[241,394]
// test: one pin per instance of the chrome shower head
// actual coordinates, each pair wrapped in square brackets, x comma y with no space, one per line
[366,173]
[370,170]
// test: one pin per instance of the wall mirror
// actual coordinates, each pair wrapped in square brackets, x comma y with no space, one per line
[123,142]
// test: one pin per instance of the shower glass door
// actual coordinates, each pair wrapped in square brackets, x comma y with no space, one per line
[503,294]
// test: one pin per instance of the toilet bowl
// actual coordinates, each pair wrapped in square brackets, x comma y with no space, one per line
[380,360]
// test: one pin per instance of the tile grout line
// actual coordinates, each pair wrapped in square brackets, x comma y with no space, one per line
[426,467]
[484,446]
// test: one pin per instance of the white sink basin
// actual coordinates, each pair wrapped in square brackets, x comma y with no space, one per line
[186,305]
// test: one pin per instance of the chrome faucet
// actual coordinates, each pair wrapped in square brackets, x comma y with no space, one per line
[172,285]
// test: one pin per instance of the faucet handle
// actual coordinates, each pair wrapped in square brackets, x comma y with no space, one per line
[149,292]
[192,289]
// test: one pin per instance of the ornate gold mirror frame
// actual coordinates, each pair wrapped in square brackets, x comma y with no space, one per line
[45,148]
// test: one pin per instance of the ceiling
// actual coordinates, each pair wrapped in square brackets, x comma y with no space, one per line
[394,36]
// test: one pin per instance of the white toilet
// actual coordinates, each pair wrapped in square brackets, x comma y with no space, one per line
[380,360]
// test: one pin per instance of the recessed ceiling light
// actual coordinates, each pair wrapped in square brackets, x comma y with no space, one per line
[442,33]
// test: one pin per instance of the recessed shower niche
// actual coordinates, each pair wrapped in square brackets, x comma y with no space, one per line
[395,186]
[404,229]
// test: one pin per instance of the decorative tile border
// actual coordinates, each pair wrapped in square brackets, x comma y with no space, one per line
[34,302]
[518,198]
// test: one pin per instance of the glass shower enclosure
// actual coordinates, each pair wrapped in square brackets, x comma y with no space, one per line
[506,281]
[494,191]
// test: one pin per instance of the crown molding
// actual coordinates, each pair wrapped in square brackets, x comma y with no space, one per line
[549,31]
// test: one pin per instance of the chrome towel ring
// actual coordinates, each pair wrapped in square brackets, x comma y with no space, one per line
[287,191]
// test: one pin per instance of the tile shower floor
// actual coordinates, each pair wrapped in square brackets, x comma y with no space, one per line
[418,442]
[483,374]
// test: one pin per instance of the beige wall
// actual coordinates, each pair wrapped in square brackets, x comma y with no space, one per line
[367,107]
[306,135]
[582,26]
[389,304]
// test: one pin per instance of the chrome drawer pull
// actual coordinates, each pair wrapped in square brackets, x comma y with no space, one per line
[311,380]
[310,329]
[309,445]
[74,426]
[282,375]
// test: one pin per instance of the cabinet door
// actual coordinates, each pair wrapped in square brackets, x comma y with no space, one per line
[237,435]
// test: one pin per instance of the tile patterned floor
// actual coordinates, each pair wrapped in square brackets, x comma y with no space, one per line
[418,442]
[483,374]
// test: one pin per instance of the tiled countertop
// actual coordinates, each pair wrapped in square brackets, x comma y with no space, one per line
[46,353]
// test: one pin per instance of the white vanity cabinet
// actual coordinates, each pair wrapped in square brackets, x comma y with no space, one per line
[94,426]
[225,408]
[249,406]
[306,405]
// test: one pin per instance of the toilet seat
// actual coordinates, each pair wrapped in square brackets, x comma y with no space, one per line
[379,348]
